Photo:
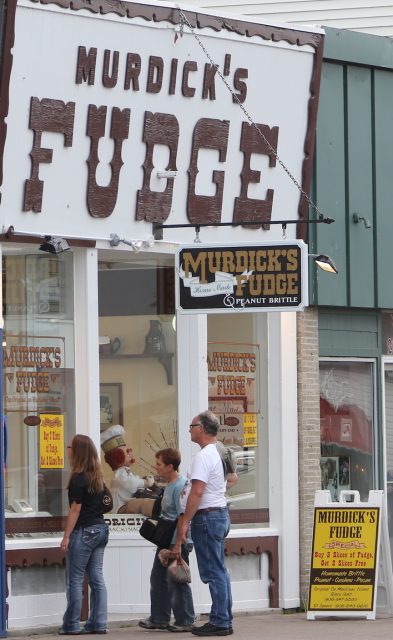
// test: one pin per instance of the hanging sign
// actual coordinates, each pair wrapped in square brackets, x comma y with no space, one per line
[345,550]
[265,277]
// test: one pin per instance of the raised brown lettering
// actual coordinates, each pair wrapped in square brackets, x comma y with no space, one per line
[209,87]
[155,74]
[102,200]
[133,69]
[160,128]
[86,65]
[45,115]
[189,66]
[251,142]
[109,80]
[208,134]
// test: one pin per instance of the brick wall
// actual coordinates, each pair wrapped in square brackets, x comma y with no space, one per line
[309,436]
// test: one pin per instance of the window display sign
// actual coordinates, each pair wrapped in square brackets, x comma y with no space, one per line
[51,441]
[345,551]
[33,373]
[242,278]
[233,379]
[250,422]
[124,523]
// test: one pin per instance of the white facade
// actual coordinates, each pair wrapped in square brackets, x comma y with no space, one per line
[63,174]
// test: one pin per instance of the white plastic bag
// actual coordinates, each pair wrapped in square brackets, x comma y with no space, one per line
[179,571]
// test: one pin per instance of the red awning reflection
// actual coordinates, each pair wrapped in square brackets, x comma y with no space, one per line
[347,427]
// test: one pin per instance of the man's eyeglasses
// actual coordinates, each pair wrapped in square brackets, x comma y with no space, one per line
[197,424]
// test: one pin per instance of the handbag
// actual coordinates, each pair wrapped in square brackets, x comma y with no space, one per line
[149,492]
[159,532]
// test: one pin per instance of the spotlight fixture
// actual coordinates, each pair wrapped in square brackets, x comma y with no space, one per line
[324,262]
[136,245]
[55,245]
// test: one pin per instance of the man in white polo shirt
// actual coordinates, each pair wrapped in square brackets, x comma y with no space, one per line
[206,509]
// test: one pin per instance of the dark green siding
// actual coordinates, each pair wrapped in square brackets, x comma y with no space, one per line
[330,163]
[353,333]
[360,187]
[354,172]
[384,186]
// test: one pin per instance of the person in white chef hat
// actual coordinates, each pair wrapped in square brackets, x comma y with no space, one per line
[125,483]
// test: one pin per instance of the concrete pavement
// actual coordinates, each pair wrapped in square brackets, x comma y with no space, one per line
[271,625]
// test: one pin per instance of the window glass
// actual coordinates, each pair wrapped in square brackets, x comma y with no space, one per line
[388,386]
[237,383]
[387,333]
[38,359]
[137,371]
[347,427]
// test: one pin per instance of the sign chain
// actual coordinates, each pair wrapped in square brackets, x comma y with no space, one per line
[184,21]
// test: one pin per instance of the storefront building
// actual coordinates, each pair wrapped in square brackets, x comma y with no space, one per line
[115,118]
[344,338]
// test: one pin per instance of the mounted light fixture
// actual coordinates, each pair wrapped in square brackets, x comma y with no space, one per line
[356,218]
[56,244]
[136,245]
[324,262]
[158,227]
[53,244]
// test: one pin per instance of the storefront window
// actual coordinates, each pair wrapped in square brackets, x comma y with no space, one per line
[347,427]
[388,413]
[38,359]
[237,384]
[138,359]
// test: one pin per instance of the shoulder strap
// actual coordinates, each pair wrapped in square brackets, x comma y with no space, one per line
[221,450]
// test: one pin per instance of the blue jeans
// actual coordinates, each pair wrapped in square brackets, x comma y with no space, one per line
[86,554]
[167,595]
[208,532]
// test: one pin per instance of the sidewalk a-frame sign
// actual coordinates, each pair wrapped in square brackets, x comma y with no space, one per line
[345,555]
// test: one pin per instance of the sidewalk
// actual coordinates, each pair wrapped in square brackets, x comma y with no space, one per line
[271,625]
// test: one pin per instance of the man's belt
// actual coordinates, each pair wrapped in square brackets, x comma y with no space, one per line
[208,509]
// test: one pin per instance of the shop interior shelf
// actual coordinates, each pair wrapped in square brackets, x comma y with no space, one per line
[164,358]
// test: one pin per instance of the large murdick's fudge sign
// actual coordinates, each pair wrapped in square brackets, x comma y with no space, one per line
[99,99]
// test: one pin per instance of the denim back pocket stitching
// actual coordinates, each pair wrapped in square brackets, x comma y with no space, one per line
[93,536]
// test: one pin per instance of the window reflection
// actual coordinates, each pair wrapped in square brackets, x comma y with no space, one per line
[38,360]
[346,411]
[237,389]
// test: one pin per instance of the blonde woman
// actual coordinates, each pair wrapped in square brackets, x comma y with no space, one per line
[85,538]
